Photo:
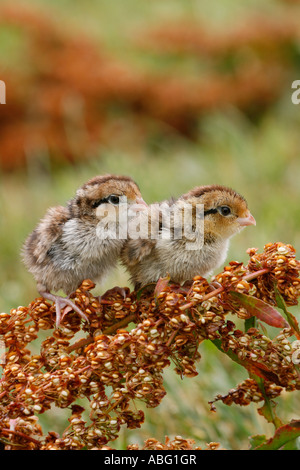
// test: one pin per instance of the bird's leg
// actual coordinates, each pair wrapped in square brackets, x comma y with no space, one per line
[61,302]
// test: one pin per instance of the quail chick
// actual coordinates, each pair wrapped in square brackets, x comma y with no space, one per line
[191,248]
[73,243]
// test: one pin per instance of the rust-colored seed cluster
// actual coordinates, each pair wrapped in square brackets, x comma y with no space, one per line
[247,392]
[178,443]
[117,359]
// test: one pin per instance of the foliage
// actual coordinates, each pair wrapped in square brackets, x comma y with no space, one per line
[71,86]
[254,149]
[132,337]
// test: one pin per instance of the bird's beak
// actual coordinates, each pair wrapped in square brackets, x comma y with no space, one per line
[140,204]
[137,206]
[249,220]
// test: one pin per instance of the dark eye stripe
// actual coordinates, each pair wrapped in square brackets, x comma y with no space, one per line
[210,211]
[98,202]
[113,199]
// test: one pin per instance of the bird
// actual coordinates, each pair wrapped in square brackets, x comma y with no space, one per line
[180,250]
[82,239]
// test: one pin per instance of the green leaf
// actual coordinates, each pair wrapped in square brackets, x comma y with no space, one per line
[256,441]
[146,288]
[161,285]
[260,309]
[283,435]
[250,323]
[254,368]
[268,412]
[292,445]
[229,353]
[292,321]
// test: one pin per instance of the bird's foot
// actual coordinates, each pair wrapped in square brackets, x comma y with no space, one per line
[215,284]
[122,291]
[60,303]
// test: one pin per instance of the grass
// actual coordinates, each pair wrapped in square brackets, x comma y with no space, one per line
[255,161]
[259,160]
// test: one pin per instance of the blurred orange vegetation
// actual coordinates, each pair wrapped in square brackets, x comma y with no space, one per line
[64,99]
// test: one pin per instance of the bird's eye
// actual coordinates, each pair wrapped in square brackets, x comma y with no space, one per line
[113,199]
[224,210]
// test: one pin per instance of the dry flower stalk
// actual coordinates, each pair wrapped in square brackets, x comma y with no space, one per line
[113,365]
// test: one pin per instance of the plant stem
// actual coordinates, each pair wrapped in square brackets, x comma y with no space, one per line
[255,274]
[248,277]
[20,434]
[124,322]
[111,329]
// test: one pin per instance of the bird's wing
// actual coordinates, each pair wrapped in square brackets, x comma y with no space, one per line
[47,232]
[134,251]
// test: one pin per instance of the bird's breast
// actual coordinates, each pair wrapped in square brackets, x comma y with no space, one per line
[184,263]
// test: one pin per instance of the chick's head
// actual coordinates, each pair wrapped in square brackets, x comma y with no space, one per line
[225,211]
[106,196]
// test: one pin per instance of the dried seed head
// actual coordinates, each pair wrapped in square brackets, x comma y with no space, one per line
[113,364]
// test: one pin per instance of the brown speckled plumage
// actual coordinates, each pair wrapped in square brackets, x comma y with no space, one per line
[65,247]
[148,260]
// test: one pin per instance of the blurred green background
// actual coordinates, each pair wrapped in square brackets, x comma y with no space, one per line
[176,94]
